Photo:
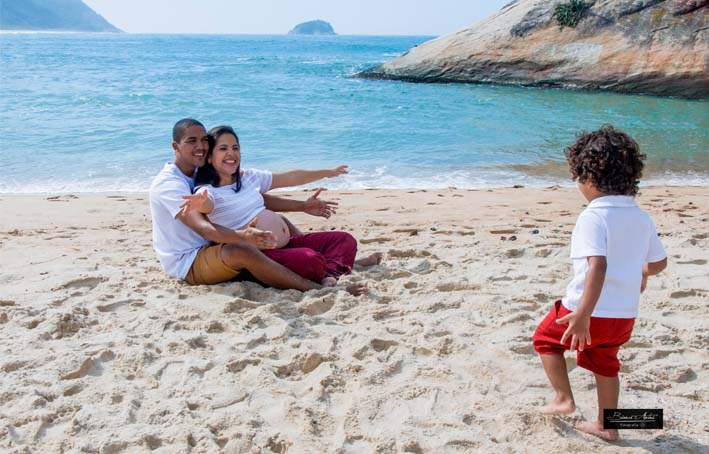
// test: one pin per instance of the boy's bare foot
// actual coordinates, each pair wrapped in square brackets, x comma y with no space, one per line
[558,407]
[596,428]
[374,259]
[357,288]
[329,281]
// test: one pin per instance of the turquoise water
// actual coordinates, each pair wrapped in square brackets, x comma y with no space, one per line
[94,112]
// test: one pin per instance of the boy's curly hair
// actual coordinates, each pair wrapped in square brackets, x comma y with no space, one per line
[609,159]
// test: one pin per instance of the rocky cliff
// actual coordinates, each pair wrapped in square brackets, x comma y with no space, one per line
[313,27]
[656,47]
[64,15]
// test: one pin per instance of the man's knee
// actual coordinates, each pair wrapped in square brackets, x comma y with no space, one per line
[239,256]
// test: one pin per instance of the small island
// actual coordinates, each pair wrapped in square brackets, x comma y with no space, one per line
[313,27]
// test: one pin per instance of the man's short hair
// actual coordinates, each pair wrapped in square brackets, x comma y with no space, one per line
[181,126]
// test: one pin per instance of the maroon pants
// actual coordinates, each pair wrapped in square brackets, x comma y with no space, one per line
[317,255]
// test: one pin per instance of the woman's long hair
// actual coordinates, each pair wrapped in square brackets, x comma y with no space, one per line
[207,174]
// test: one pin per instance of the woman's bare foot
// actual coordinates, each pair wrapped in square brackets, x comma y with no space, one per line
[596,428]
[329,281]
[371,260]
[357,288]
[560,406]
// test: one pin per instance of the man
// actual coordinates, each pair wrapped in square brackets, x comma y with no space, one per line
[193,249]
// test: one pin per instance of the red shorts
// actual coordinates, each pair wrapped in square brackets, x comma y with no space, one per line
[607,335]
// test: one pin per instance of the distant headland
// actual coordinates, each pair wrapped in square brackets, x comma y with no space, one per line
[55,15]
[313,27]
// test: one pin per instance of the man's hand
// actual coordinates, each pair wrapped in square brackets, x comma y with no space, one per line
[198,202]
[259,238]
[579,329]
[317,207]
[337,171]
[643,283]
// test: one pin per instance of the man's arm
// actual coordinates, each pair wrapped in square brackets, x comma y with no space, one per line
[219,234]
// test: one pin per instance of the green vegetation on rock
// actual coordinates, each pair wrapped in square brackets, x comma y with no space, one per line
[569,14]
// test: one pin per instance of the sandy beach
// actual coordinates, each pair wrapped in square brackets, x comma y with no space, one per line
[102,352]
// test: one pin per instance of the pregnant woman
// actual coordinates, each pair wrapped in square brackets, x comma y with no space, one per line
[233,198]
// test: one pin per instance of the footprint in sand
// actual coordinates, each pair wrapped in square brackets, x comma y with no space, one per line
[514,253]
[409,253]
[301,365]
[382,344]
[318,307]
[114,307]
[687,293]
[543,253]
[457,287]
[89,283]
[91,366]
[375,240]
[237,366]
[693,262]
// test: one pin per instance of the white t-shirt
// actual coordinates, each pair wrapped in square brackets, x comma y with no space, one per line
[175,243]
[616,228]
[234,210]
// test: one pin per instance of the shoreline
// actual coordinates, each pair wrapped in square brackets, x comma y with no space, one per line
[328,186]
[103,350]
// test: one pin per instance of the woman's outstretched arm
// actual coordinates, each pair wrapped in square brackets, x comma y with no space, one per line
[298,177]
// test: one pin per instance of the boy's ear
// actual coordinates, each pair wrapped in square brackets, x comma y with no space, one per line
[174,146]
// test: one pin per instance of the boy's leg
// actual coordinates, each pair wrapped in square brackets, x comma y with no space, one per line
[603,362]
[555,368]
[607,389]
[547,343]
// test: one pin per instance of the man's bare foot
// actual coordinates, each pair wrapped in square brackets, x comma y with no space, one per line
[558,407]
[374,259]
[357,288]
[596,428]
[329,281]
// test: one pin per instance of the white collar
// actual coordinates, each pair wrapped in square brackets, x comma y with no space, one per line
[613,201]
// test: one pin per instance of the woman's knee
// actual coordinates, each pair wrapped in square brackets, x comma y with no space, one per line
[311,264]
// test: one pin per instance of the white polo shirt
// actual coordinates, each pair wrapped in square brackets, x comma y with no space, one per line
[616,228]
[175,243]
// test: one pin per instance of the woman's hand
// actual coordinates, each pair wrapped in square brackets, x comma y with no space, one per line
[258,238]
[337,171]
[198,202]
[579,329]
[317,207]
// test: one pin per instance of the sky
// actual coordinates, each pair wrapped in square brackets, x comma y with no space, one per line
[355,17]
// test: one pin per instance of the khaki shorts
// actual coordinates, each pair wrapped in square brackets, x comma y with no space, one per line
[208,267]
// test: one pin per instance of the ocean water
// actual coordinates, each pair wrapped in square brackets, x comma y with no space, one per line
[93,113]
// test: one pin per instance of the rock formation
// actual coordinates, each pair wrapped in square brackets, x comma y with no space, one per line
[313,27]
[656,47]
[52,15]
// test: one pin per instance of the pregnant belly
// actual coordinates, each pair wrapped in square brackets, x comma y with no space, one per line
[272,222]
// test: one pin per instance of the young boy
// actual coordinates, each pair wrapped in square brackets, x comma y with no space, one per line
[614,248]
